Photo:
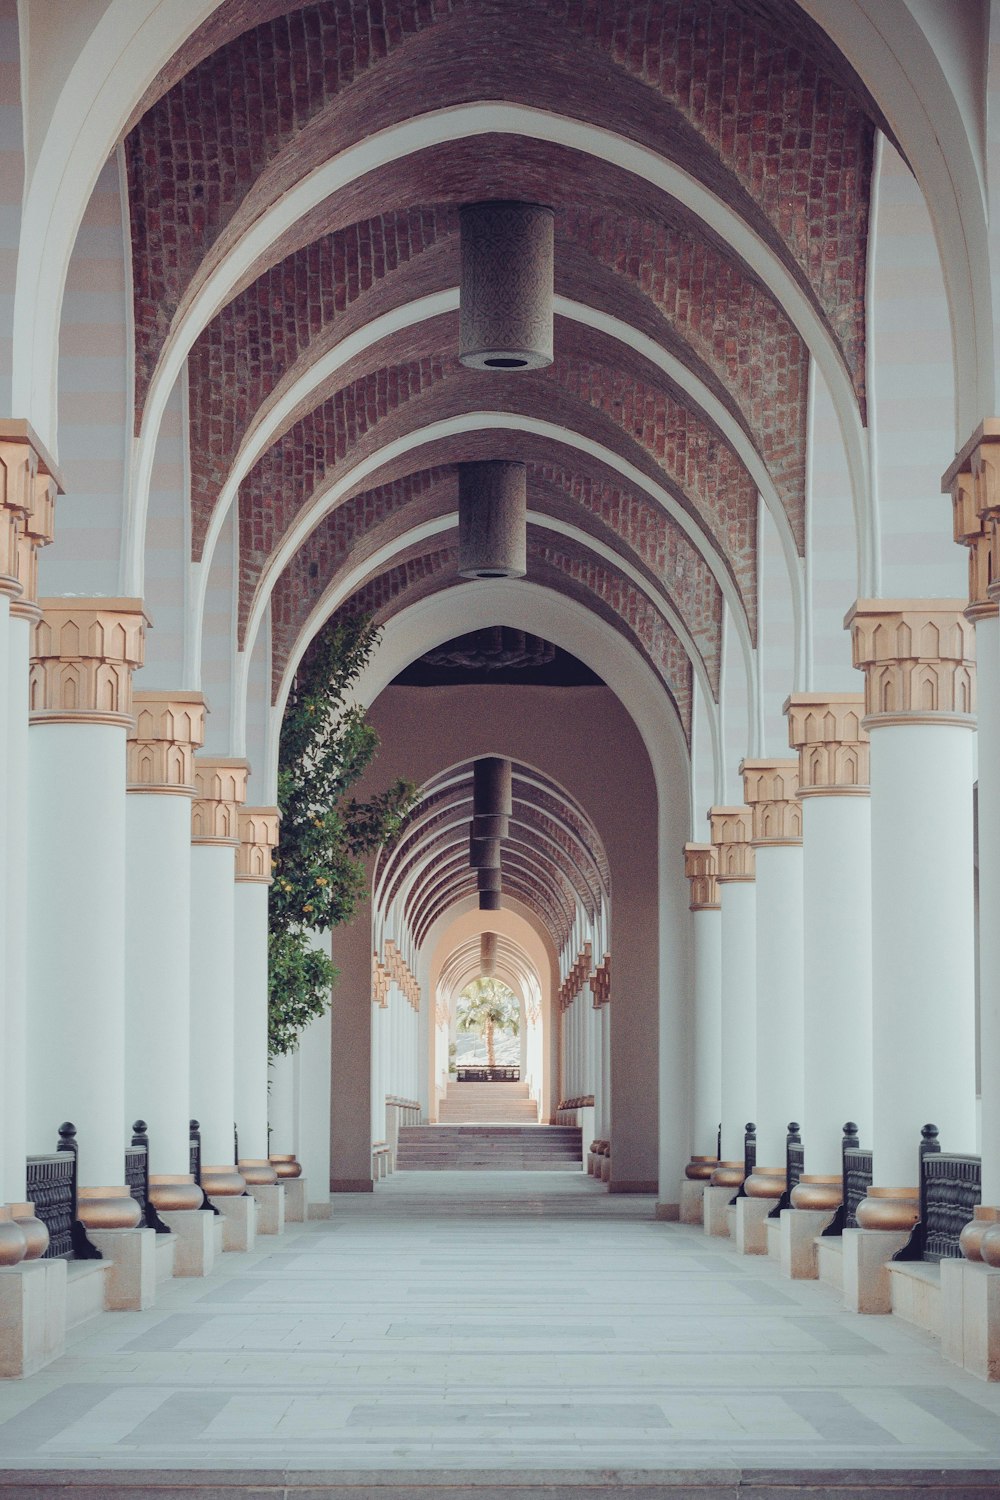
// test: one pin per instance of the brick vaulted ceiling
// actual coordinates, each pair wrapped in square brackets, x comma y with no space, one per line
[701,379]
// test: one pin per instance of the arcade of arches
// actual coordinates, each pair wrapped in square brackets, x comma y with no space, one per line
[635,365]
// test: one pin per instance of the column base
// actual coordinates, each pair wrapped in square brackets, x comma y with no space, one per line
[32,1316]
[131,1284]
[797,1232]
[107,1208]
[715,1201]
[256,1171]
[35,1233]
[296,1197]
[700,1168]
[239,1222]
[316,1210]
[984,1217]
[270,1200]
[867,1284]
[668,1213]
[198,1240]
[751,1225]
[972,1308]
[174,1192]
[693,1200]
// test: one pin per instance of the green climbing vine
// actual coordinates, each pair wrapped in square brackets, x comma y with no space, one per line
[319,873]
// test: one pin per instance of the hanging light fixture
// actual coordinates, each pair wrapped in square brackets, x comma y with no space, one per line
[492,519]
[492,797]
[505,309]
[488,954]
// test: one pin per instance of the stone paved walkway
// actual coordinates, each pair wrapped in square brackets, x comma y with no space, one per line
[497,1321]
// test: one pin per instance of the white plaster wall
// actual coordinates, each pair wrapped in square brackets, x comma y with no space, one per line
[831,545]
[11,186]
[94,401]
[167,551]
[703,793]
[911,397]
[776,645]
[219,643]
[734,713]
[259,792]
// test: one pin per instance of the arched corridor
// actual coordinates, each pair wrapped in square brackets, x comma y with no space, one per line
[499,741]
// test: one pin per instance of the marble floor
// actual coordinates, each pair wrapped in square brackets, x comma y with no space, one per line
[498,1323]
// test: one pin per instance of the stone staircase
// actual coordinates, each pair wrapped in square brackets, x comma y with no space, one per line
[489,1148]
[487,1104]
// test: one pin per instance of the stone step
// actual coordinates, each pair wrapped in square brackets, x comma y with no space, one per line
[488,1147]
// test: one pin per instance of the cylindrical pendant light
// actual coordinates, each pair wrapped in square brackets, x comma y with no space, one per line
[489,879]
[492,519]
[488,954]
[490,901]
[491,797]
[484,854]
[508,257]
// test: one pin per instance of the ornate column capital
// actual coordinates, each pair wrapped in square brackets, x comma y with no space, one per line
[919,661]
[701,862]
[825,728]
[29,483]
[973,481]
[220,789]
[168,729]
[771,788]
[83,655]
[732,830]
[258,831]
[600,982]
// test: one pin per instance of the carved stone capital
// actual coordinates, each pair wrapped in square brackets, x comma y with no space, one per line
[771,788]
[825,728]
[169,728]
[600,982]
[258,830]
[576,978]
[700,866]
[919,661]
[732,830]
[220,789]
[973,481]
[83,655]
[399,970]
[29,484]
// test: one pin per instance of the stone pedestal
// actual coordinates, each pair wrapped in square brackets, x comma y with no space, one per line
[692,1202]
[772,1229]
[867,1287]
[797,1235]
[272,1203]
[953,1310]
[715,1202]
[296,1198]
[32,1316]
[315,1210]
[751,1225]
[239,1222]
[198,1238]
[131,1284]
[980,1319]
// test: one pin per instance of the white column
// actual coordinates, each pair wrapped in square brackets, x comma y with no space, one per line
[837,926]
[919,681]
[258,830]
[770,788]
[281,1105]
[700,867]
[84,652]
[220,788]
[731,831]
[988,673]
[27,509]
[314,1106]
[168,729]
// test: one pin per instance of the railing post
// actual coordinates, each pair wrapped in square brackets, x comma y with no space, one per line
[850,1140]
[749,1157]
[930,1145]
[140,1139]
[194,1162]
[82,1247]
[793,1138]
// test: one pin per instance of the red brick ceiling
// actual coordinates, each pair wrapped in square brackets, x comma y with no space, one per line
[746,96]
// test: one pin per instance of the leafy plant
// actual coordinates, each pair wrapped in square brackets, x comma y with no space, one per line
[319,874]
[486,1006]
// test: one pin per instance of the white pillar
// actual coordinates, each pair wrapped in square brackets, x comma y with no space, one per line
[731,832]
[837,925]
[919,683]
[84,653]
[700,867]
[988,673]
[220,789]
[168,729]
[258,830]
[314,1104]
[27,510]
[770,787]
[282,1112]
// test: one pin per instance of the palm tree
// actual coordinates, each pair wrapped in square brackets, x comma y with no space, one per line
[484,1006]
